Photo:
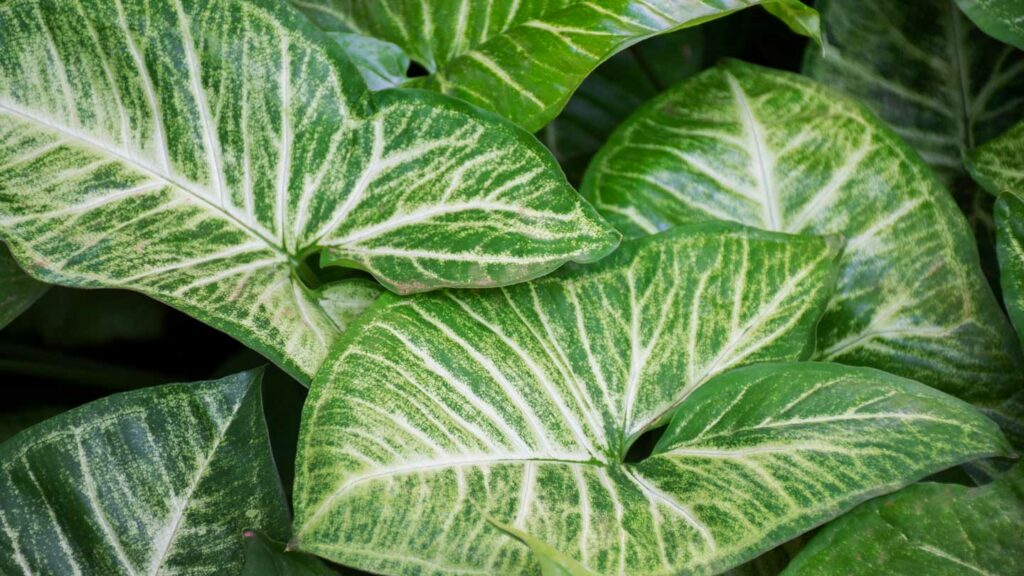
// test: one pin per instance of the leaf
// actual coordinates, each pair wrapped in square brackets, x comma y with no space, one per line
[800,18]
[265,557]
[200,152]
[157,480]
[1002,19]
[942,84]
[382,64]
[998,165]
[520,59]
[1010,249]
[521,404]
[616,89]
[17,290]
[777,151]
[934,529]
[551,561]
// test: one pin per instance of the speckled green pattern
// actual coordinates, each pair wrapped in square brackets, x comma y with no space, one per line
[157,481]
[928,529]
[777,151]
[1010,220]
[17,290]
[999,164]
[1002,19]
[198,151]
[943,85]
[522,58]
[445,410]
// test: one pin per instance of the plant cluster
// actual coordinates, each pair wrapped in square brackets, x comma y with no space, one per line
[574,290]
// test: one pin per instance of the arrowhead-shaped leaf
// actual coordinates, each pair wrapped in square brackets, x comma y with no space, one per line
[998,165]
[17,290]
[446,412]
[200,151]
[943,85]
[1002,19]
[155,481]
[933,529]
[524,59]
[777,151]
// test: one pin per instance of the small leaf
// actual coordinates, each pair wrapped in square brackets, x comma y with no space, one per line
[998,165]
[1010,249]
[382,64]
[264,557]
[775,150]
[523,60]
[1002,19]
[552,562]
[800,18]
[520,405]
[933,529]
[943,85]
[200,151]
[18,291]
[157,480]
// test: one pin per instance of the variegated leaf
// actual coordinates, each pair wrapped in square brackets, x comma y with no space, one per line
[445,413]
[1002,19]
[201,151]
[156,481]
[999,165]
[17,290]
[933,529]
[942,84]
[777,151]
[382,64]
[523,59]
[1010,248]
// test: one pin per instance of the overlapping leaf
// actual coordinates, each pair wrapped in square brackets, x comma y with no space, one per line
[777,151]
[934,529]
[1002,19]
[199,152]
[447,414]
[943,85]
[17,290]
[523,59]
[999,164]
[157,481]
[264,557]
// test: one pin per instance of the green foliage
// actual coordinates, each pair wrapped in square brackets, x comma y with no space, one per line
[476,375]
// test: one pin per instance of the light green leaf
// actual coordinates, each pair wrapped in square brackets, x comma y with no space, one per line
[551,561]
[264,557]
[777,151]
[800,18]
[615,90]
[382,64]
[200,151]
[155,481]
[520,59]
[999,165]
[18,291]
[521,404]
[1002,19]
[343,301]
[1010,249]
[941,84]
[933,529]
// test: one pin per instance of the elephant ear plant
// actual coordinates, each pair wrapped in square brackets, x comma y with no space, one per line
[763,313]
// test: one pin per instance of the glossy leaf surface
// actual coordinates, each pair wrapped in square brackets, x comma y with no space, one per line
[1002,19]
[521,59]
[199,152]
[777,151]
[444,410]
[155,481]
[934,529]
[17,290]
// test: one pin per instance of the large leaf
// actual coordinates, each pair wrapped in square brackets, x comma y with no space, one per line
[1002,19]
[942,84]
[522,59]
[156,481]
[998,165]
[933,529]
[200,151]
[445,413]
[17,290]
[775,150]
